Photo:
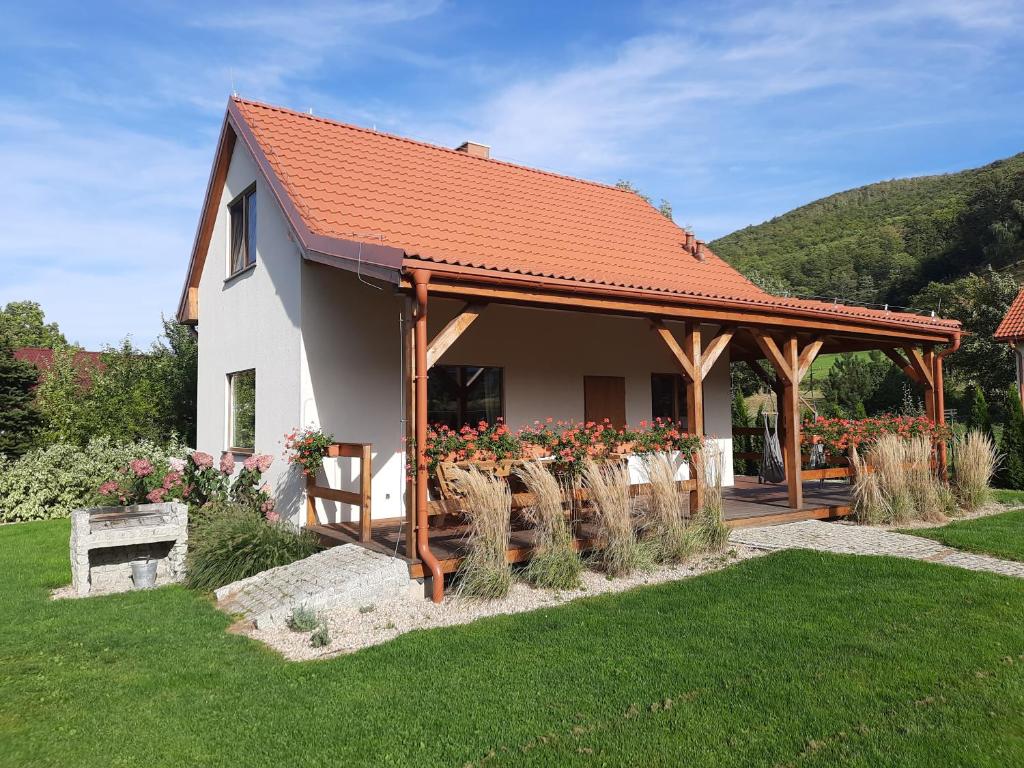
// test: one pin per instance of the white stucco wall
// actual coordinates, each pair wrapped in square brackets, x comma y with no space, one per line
[352,381]
[252,321]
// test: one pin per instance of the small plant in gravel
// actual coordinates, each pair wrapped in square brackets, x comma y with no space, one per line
[555,563]
[321,636]
[975,461]
[622,553]
[303,619]
[485,573]
[367,608]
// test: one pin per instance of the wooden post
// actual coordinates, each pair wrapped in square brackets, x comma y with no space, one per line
[695,391]
[409,384]
[929,385]
[365,482]
[791,365]
[791,418]
[940,417]
[310,505]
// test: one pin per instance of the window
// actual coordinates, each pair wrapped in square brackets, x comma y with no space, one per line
[464,394]
[242,411]
[668,397]
[242,211]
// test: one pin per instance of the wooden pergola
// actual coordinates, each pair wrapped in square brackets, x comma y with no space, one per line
[779,343]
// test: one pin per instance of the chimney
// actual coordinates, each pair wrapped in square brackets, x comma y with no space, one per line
[688,245]
[473,149]
[700,250]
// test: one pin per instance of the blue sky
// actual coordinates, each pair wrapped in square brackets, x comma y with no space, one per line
[733,111]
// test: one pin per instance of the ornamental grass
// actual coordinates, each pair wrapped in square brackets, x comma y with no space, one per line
[975,461]
[623,552]
[485,572]
[555,563]
[236,542]
[667,511]
[707,526]
[895,483]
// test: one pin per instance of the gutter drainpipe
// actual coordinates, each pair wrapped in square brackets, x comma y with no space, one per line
[420,279]
[940,400]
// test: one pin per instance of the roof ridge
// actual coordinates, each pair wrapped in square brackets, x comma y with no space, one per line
[428,145]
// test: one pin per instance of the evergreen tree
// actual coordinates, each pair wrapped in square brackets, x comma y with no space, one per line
[1011,473]
[979,417]
[19,419]
[741,443]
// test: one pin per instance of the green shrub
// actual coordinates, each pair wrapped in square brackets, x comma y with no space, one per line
[1011,473]
[50,482]
[238,542]
[320,637]
[303,619]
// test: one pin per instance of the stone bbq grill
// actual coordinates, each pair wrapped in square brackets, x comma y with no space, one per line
[105,540]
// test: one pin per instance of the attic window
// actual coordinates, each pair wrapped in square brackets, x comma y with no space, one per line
[242,211]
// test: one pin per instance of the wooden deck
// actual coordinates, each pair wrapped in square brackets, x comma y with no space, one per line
[747,503]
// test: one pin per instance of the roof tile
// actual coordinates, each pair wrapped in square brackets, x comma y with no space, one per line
[448,207]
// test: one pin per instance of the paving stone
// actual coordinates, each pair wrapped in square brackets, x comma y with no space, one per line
[348,574]
[864,540]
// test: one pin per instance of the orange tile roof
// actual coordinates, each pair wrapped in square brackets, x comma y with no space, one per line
[448,207]
[1012,326]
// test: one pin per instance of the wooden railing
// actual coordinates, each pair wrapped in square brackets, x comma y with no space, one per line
[363,452]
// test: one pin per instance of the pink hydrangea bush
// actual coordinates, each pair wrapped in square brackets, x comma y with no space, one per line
[194,480]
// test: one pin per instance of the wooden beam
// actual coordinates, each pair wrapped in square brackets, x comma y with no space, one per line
[771,351]
[901,362]
[714,350]
[451,332]
[712,311]
[923,368]
[791,418]
[807,358]
[677,351]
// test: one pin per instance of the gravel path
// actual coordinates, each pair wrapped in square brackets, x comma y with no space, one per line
[358,627]
[866,540]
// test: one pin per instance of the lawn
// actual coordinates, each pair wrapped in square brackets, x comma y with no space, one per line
[793,659]
[999,535]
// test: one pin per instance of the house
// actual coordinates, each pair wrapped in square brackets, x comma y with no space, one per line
[84,362]
[371,284]
[1011,330]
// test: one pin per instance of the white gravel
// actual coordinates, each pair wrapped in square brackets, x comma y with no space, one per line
[352,628]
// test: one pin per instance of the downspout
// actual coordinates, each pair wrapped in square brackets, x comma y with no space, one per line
[940,400]
[421,278]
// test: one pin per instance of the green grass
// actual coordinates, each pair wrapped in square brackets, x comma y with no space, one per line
[796,659]
[997,535]
[1008,497]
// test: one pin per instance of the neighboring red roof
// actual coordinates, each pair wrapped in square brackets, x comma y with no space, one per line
[448,207]
[1012,326]
[42,358]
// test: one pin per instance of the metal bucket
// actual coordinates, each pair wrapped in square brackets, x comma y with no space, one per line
[144,573]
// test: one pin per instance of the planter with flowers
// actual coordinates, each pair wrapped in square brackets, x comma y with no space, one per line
[307,448]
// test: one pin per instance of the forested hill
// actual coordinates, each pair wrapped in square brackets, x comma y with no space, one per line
[884,242]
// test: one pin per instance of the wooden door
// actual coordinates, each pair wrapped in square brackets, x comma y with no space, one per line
[604,397]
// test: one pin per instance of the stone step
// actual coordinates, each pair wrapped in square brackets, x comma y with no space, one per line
[347,574]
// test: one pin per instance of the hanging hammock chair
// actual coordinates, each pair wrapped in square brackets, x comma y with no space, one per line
[772,469]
